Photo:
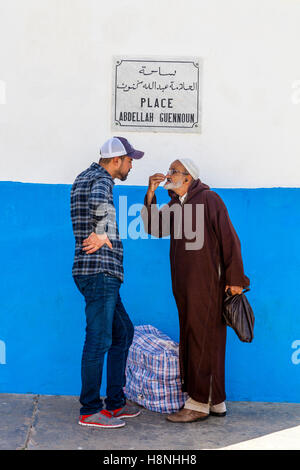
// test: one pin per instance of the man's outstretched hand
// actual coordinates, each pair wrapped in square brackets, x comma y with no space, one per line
[94,242]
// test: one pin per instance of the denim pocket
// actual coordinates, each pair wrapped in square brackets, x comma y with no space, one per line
[86,284]
[111,280]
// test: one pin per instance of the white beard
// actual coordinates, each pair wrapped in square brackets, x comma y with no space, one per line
[168,185]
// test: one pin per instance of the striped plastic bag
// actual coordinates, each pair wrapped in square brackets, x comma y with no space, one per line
[152,371]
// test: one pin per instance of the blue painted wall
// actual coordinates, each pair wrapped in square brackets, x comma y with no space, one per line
[42,318]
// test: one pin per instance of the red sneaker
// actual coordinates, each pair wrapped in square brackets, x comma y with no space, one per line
[128,411]
[103,419]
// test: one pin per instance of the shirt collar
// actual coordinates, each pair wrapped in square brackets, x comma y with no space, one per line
[182,198]
[102,170]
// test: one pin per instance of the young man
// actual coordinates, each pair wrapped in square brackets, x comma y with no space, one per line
[201,269]
[98,274]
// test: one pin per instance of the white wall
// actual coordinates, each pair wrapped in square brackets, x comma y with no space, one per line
[56,64]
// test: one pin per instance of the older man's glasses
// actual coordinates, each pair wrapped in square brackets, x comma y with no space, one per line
[172,171]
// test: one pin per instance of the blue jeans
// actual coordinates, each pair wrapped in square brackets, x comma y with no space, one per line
[108,330]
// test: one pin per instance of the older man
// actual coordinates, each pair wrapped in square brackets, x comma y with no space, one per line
[201,269]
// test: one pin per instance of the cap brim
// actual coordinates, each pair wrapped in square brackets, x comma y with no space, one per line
[136,154]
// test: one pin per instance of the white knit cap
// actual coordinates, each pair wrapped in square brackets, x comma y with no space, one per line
[190,166]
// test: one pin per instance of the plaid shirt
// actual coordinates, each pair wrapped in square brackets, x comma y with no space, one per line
[92,210]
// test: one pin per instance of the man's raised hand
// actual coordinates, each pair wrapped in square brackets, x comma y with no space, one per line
[154,182]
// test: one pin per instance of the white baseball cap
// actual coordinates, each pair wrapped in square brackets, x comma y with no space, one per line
[117,147]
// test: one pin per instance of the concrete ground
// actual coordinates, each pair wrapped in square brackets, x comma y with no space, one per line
[39,422]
